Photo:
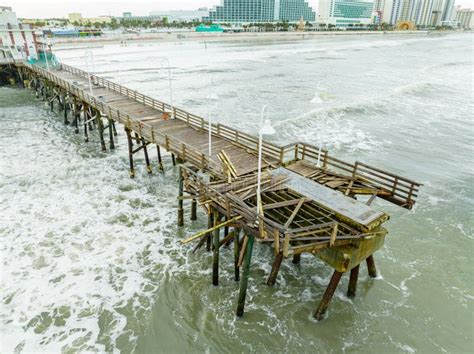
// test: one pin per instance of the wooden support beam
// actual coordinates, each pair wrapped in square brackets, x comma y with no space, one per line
[194,209]
[180,200]
[236,255]
[100,125]
[296,258]
[295,211]
[245,277]
[371,266]
[130,152]
[111,135]
[85,115]
[147,159]
[202,233]
[208,235]
[351,290]
[281,204]
[328,294]
[160,161]
[275,269]
[215,256]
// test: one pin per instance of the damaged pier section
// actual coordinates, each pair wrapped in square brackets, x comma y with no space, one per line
[310,201]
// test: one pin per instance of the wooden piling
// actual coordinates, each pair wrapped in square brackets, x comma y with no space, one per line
[275,269]
[85,116]
[371,266]
[328,294]
[160,161]
[245,277]
[174,159]
[130,152]
[111,135]
[236,255]
[351,290]
[65,107]
[180,199]
[193,210]
[145,152]
[215,254]
[100,125]
[208,237]
[296,258]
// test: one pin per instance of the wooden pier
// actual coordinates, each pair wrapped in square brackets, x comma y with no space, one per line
[308,197]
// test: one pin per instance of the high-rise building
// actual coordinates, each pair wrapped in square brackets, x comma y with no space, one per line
[343,13]
[250,11]
[421,12]
[465,17]
[448,10]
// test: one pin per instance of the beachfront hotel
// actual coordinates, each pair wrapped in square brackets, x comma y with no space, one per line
[343,13]
[251,11]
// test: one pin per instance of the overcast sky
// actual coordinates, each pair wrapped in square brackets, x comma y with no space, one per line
[90,8]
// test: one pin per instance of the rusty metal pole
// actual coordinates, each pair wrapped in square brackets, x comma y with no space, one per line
[328,294]
[351,290]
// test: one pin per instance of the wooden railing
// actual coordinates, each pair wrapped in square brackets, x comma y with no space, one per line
[269,150]
[172,144]
[401,191]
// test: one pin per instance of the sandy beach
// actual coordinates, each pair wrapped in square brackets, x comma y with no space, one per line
[185,36]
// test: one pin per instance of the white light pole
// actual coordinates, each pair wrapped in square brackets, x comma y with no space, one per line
[265,129]
[211,97]
[165,60]
[89,76]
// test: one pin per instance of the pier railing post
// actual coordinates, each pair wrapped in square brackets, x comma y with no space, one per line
[245,277]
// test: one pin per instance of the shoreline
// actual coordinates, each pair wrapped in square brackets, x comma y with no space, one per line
[173,37]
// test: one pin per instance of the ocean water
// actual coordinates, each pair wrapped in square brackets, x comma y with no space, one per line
[91,260]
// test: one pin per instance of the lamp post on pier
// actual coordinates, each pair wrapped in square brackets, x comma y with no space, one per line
[212,97]
[166,61]
[265,129]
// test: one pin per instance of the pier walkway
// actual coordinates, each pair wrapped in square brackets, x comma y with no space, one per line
[308,200]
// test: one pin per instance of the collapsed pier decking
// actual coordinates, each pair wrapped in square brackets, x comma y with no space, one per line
[308,196]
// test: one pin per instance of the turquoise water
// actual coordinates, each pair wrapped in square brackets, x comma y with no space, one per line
[91,259]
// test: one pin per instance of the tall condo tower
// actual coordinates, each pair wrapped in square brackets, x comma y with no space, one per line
[251,11]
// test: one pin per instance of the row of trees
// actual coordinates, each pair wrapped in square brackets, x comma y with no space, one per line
[254,27]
